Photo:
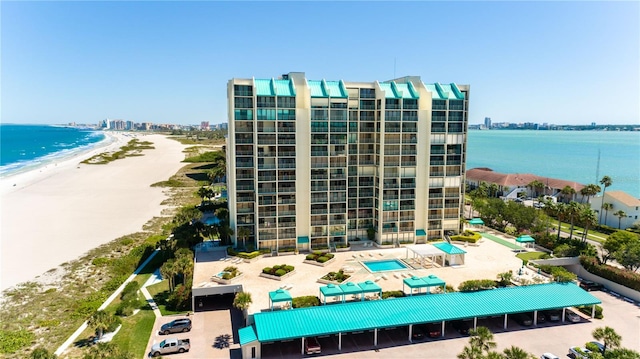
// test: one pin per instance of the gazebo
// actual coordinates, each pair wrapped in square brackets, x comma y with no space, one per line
[370,287]
[453,254]
[279,295]
[350,288]
[426,251]
[424,282]
[476,222]
[330,290]
[526,239]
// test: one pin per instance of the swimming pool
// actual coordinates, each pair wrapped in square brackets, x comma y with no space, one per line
[384,265]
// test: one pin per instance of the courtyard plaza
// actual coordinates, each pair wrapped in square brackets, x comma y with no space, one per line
[484,261]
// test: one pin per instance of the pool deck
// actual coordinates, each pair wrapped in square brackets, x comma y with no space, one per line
[482,262]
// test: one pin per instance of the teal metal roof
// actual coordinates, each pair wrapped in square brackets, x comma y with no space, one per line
[421,232]
[433,280]
[327,88]
[448,248]
[476,221]
[350,288]
[414,282]
[247,335]
[407,90]
[303,239]
[271,87]
[280,295]
[369,287]
[389,91]
[331,290]
[444,91]
[525,238]
[367,315]
[263,88]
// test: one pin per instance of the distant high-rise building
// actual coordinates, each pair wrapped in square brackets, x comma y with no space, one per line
[317,163]
[204,125]
[487,122]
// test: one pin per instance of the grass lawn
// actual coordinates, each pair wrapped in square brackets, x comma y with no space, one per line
[160,293]
[527,256]
[577,231]
[135,332]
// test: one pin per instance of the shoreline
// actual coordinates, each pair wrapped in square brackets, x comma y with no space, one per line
[55,214]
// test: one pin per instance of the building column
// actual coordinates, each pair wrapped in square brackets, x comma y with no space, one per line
[593,311]
[375,337]
[475,323]
[410,331]
[563,311]
[302,346]
[535,317]
[442,329]
[505,321]
[340,341]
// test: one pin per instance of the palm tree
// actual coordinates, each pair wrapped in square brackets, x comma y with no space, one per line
[537,186]
[219,168]
[482,338]
[168,270]
[516,353]
[470,352]
[589,191]
[184,267]
[242,301]
[561,212]
[205,192]
[568,191]
[606,181]
[100,320]
[587,219]
[493,190]
[620,214]
[606,207]
[608,336]
[573,209]
[243,232]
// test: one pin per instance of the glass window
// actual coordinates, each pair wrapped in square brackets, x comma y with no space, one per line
[243,115]
[266,101]
[367,93]
[286,102]
[242,90]
[243,102]
[265,114]
[410,104]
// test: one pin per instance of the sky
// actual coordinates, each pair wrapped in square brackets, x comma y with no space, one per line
[169,62]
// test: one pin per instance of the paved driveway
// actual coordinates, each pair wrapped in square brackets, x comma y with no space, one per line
[213,334]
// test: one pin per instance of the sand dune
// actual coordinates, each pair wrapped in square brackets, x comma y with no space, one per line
[56,214]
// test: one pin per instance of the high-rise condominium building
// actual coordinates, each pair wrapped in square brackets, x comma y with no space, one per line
[314,164]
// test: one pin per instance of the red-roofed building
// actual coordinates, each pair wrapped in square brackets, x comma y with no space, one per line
[510,184]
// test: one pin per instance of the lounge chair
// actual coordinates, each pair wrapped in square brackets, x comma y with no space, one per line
[385,277]
[396,275]
[377,279]
[370,255]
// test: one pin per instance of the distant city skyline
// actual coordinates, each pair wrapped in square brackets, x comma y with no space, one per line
[564,63]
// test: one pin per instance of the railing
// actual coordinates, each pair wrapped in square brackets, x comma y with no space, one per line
[266,178]
[319,188]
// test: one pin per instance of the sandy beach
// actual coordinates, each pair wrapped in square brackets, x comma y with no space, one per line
[57,213]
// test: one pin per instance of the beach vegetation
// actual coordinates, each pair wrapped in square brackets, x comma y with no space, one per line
[42,353]
[475,285]
[107,351]
[392,294]
[195,136]
[339,276]
[132,148]
[13,340]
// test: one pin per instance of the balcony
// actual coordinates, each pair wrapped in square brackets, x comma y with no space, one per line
[244,164]
[408,163]
[319,188]
[266,178]
[319,211]
[245,188]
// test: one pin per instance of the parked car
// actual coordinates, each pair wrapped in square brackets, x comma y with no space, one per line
[553,315]
[522,318]
[573,317]
[311,346]
[169,346]
[461,326]
[548,356]
[578,352]
[176,326]
[589,285]
[598,345]
[434,330]
[417,332]
[541,317]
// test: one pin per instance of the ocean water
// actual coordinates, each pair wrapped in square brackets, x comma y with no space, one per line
[568,155]
[23,147]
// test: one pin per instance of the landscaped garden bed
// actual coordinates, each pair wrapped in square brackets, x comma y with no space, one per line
[278,272]
[334,277]
[228,275]
[319,258]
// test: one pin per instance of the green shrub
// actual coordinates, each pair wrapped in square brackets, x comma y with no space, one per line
[280,272]
[124,309]
[115,323]
[305,301]
[322,259]
[267,270]
[392,294]
[617,275]
[339,276]
[130,291]
[559,274]
[251,255]
[467,236]
[476,285]
[289,268]
[310,257]
[586,309]
[14,340]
